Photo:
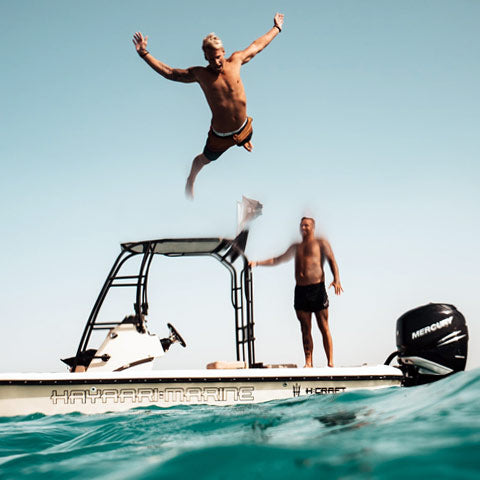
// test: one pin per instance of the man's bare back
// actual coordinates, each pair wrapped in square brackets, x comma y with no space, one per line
[223,89]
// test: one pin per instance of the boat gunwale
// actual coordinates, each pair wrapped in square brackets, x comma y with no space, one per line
[379,372]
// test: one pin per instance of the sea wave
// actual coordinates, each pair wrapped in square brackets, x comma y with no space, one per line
[427,431]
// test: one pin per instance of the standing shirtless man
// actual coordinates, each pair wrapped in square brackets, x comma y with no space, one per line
[310,294]
[223,89]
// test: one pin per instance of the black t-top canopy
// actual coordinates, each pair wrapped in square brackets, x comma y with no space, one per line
[179,246]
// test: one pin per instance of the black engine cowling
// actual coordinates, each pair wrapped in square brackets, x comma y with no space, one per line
[432,342]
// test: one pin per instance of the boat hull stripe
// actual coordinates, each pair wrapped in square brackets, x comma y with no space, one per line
[109,381]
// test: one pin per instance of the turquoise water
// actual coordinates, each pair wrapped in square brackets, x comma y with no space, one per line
[432,431]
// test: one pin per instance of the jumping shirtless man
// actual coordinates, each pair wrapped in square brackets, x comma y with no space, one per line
[223,89]
[310,294]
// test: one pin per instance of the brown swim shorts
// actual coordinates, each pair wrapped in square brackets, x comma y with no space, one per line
[216,145]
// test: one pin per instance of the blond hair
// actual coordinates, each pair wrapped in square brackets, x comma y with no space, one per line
[211,41]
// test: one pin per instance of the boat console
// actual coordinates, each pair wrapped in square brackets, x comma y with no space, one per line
[128,343]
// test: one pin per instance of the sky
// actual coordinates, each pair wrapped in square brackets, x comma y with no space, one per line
[366,116]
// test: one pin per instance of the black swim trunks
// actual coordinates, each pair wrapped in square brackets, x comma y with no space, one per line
[311,298]
[216,144]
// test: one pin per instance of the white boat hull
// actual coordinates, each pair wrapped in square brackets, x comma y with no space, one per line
[59,393]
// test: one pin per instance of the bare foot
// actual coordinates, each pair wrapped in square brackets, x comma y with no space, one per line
[189,189]
[248,146]
[330,365]
[307,365]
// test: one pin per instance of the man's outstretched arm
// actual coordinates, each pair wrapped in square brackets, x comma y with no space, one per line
[290,252]
[260,43]
[175,74]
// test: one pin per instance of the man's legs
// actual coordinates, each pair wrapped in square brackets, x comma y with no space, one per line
[198,163]
[322,321]
[305,319]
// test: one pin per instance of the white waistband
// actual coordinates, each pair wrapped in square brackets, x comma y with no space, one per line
[227,134]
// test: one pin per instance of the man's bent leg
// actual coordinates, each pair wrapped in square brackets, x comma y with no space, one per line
[305,319]
[322,321]
[198,163]
[248,146]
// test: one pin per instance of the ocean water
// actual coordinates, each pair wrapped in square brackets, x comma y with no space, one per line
[431,431]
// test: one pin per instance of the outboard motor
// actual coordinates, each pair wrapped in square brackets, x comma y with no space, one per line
[432,342]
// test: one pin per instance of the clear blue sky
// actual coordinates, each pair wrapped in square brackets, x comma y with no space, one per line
[366,115]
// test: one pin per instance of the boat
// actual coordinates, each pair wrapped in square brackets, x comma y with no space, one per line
[117,375]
